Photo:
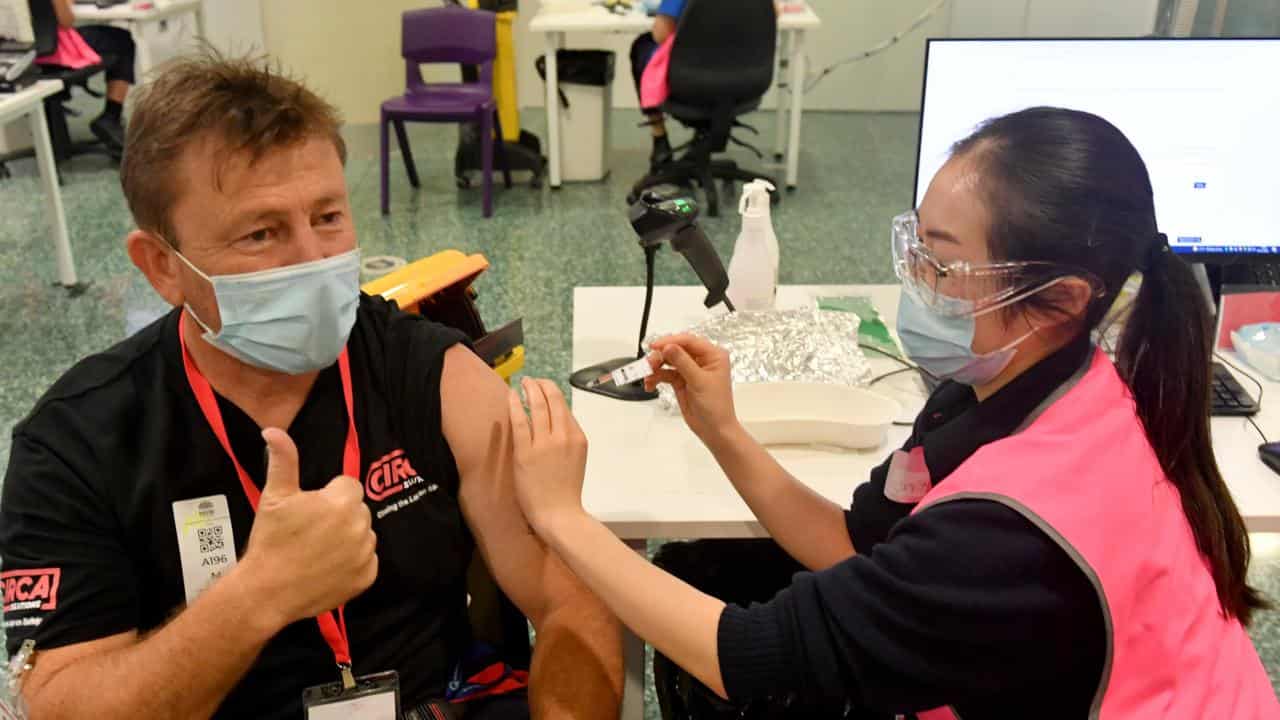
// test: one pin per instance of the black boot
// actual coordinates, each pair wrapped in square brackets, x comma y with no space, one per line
[108,128]
[661,154]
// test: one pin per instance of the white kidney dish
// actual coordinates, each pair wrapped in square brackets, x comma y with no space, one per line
[801,413]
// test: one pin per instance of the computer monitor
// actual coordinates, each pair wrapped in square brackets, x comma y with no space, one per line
[1201,112]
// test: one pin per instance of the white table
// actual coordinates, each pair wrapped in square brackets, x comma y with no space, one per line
[135,15]
[553,21]
[649,477]
[30,102]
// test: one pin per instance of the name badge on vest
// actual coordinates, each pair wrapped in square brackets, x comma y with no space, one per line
[205,541]
[372,697]
[908,479]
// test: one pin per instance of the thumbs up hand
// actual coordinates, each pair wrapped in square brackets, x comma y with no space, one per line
[309,551]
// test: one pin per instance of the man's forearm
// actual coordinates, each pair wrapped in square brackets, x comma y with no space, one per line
[577,662]
[183,670]
[808,526]
[677,619]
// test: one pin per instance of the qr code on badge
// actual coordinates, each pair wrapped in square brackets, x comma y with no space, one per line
[210,538]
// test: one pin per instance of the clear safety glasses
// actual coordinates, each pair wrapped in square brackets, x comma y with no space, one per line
[960,288]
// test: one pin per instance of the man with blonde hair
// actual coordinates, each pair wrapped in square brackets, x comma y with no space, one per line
[279,484]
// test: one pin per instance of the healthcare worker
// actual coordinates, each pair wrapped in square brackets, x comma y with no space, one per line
[1065,546]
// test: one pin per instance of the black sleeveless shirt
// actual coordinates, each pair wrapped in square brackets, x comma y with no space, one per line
[96,467]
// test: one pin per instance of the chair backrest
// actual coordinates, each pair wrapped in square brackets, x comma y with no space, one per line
[449,34]
[723,52]
[44,24]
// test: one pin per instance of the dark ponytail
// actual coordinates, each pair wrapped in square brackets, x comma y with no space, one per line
[1164,355]
[1068,187]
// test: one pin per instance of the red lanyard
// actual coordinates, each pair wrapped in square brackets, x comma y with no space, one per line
[334,631]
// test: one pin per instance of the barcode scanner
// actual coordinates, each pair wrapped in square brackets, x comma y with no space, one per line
[662,213]
[666,213]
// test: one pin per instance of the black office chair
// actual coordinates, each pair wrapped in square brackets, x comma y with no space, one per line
[495,620]
[44,23]
[721,66]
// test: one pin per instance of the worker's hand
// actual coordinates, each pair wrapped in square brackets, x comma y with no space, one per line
[310,551]
[550,455]
[699,373]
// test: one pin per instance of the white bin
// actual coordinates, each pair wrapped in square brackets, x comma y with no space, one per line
[584,132]
[586,99]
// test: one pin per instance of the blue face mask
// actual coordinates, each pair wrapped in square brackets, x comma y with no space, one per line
[943,345]
[292,319]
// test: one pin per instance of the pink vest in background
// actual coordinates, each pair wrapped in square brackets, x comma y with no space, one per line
[72,51]
[1085,474]
[653,81]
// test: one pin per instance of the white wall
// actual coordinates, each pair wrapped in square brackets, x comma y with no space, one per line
[892,79]
[234,26]
[1051,18]
[347,51]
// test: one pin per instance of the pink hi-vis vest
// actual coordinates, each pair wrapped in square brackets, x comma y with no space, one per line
[72,51]
[1084,473]
[654,89]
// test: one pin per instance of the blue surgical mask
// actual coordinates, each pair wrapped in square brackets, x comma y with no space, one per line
[943,344]
[293,319]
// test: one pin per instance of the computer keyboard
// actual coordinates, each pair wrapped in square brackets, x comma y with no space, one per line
[1252,273]
[1228,396]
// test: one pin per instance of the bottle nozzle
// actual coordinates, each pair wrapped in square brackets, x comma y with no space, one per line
[755,196]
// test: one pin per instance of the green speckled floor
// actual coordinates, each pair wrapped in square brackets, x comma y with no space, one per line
[856,173]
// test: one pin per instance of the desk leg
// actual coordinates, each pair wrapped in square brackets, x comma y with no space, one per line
[553,108]
[633,661]
[53,195]
[797,104]
[780,112]
[142,60]
[200,21]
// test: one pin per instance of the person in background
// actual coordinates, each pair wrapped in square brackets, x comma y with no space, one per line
[1055,540]
[664,26]
[117,49]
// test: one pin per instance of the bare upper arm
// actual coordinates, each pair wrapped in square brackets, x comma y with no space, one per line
[49,663]
[663,27]
[65,13]
[474,415]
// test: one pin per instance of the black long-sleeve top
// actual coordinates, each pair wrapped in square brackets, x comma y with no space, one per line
[965,603]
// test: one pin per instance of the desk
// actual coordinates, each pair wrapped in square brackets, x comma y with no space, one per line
[30,102]
[649,477]
[553,22]
[135,15]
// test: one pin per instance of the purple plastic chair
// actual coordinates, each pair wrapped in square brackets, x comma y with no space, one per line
[449,34]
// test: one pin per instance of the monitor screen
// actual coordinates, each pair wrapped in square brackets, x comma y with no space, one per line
[1201,112]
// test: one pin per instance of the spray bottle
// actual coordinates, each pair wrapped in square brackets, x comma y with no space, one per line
[753,270]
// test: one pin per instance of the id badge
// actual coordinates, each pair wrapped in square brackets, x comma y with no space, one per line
[374,697]
[205,541]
